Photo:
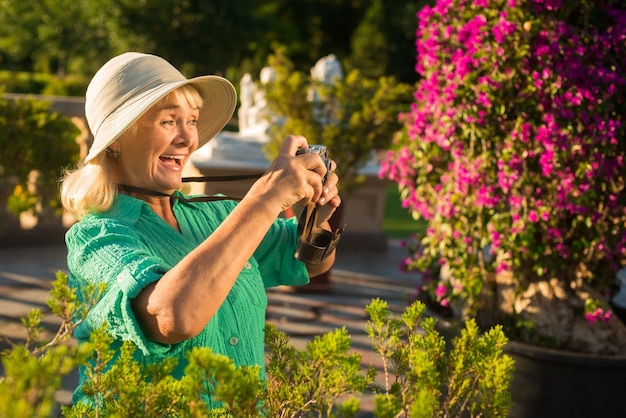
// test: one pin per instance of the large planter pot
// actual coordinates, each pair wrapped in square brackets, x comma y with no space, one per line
[548,383]
[554,383]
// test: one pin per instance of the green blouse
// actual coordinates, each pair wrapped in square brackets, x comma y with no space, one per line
[129,247]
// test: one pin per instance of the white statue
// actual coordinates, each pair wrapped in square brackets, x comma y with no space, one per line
[327,69]
[267,75]
[246,98]
[254,119]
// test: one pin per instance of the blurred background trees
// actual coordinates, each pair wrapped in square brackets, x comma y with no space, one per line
[222,36]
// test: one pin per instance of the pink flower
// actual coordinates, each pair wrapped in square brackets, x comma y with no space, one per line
[519,148]
[502,267]
[441,290]
[598,314]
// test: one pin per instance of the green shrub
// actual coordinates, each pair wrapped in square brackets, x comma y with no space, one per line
[33,370]
[312,380]
[354,116]
[44,84]
[37,144]
[421,377]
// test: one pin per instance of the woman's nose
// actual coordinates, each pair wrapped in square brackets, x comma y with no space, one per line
[186,133]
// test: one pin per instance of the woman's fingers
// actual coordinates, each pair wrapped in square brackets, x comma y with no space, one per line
[297,179]
[329,189]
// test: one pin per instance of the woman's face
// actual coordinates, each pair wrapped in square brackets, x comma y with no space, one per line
[153,156]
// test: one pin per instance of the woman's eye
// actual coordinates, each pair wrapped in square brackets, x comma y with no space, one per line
[193,122]
[168,122]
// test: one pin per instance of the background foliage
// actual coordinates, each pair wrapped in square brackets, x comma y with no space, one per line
[36,145]
[352,116]
[200,37]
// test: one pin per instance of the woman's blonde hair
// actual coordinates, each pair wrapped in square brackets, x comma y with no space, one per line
[90,188]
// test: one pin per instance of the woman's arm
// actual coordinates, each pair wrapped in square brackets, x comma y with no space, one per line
[180,304]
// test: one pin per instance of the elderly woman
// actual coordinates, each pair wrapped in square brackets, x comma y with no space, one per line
[180,273]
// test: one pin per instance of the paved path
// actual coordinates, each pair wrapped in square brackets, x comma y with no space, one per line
[27,272]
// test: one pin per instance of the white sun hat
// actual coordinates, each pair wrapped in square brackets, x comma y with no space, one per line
[128,85]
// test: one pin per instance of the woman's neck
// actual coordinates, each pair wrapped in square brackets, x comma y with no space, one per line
[160,203]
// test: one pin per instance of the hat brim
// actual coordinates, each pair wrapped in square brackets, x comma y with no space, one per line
[219,101]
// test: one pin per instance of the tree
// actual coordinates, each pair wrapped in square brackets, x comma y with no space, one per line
[220,36]
[384,41]
[47,35]
[354,116]
[369,43]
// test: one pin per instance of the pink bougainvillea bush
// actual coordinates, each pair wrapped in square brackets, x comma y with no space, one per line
[513,152]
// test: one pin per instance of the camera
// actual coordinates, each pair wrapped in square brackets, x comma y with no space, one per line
[322,150]
[314,243]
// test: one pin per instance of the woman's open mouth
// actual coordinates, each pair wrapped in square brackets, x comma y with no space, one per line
[173,162]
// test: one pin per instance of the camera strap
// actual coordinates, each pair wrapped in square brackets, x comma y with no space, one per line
[314,244]
[131,189]
[221,178]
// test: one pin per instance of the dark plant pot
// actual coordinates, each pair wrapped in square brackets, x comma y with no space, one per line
[555,383]
[548,383]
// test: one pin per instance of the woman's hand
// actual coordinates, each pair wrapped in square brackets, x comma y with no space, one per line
[292,181]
